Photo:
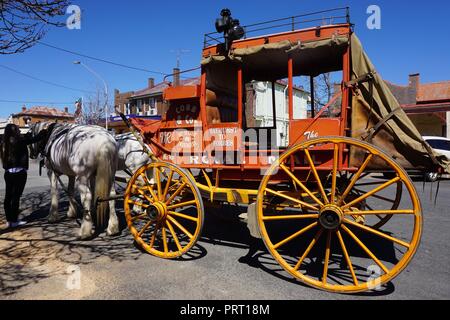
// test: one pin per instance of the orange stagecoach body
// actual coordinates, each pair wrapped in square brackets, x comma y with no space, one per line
[214,143]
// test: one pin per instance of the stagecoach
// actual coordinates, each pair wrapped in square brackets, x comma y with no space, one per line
[319,202]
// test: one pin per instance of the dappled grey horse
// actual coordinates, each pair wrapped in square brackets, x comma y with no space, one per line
[131,155]
[88,156]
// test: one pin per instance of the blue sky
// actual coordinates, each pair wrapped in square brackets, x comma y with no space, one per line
[413,38]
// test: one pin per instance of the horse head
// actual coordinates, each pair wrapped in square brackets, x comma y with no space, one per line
[38,148]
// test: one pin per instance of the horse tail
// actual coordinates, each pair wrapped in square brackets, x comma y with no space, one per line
[106,170]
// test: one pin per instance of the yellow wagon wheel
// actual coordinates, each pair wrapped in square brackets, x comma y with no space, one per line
[326,239]
[164,210]
[392,200]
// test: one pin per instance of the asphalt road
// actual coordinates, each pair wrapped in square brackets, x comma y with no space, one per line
[43,261]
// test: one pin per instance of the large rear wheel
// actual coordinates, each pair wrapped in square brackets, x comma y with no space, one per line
[320,221]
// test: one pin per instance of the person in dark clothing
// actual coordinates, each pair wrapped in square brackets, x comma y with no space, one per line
[15,159]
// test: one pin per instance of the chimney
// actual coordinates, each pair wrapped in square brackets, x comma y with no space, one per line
[151,82]
[66,109]
[116,92]
[413,88]
[176,77]
[414,80]
[24,109]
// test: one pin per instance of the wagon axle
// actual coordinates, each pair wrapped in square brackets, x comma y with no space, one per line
[157,211]
[331,217]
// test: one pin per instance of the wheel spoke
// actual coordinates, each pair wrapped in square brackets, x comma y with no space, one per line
[153,238]
[147,225]
[180,188]
[175,238]
[355,178]
[347,257]
[366,250]
[142,193]
[158,183]
[181,204]
[164,239]
[368,194]
[179,226]
[139,217]
[139,204]
[166,189]
[334,173]
[377,212]
[327,259]
[181,215]
[316,175]
[152,192]
[292,199]
[291,217]
[301,185]
[295,235]
[362,184]
[311,245]
[145,178]
[378,196]
[378,233]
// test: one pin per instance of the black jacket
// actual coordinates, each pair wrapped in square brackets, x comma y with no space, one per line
[18,153]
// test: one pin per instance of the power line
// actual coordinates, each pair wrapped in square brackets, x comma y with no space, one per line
[44,81]
[36,102]
[101,60]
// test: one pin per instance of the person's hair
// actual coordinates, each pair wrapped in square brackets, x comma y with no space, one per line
[10,138]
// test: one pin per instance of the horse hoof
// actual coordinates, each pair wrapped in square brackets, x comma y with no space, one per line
[86,231]
[71,215]
[53,219]
[86,235]
[112,231]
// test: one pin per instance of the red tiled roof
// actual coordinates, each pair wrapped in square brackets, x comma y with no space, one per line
[45,111]
[159,88]
[434,91]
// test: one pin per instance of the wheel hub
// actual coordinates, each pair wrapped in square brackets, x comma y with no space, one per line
[157,211]
[330,217]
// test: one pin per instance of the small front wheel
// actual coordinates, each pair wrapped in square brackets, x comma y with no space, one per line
[164,210]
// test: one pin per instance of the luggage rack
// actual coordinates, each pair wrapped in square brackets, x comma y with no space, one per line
[324,17]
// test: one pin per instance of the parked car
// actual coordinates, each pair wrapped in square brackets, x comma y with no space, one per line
[441,145]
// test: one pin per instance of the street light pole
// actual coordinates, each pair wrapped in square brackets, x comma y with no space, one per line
[105,85]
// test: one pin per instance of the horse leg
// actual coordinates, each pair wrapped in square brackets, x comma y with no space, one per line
[53,216]
[86,230]
[113,223]
[72,213]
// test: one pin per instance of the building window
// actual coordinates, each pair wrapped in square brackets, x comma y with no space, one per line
[139,107]
[152,107]
[127,109]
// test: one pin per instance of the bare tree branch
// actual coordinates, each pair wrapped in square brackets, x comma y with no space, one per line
[24,22]
[93,111]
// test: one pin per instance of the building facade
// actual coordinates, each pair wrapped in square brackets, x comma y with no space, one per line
[145,103]
[427,105]
[36,114]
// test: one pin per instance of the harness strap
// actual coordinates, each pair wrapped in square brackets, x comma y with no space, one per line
[368,136]
[361,79]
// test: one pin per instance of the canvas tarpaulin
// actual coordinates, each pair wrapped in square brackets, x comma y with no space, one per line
[268,62]
[376,115]
[378,118]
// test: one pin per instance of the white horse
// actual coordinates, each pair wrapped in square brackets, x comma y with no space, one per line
[88,156]
[131,155]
